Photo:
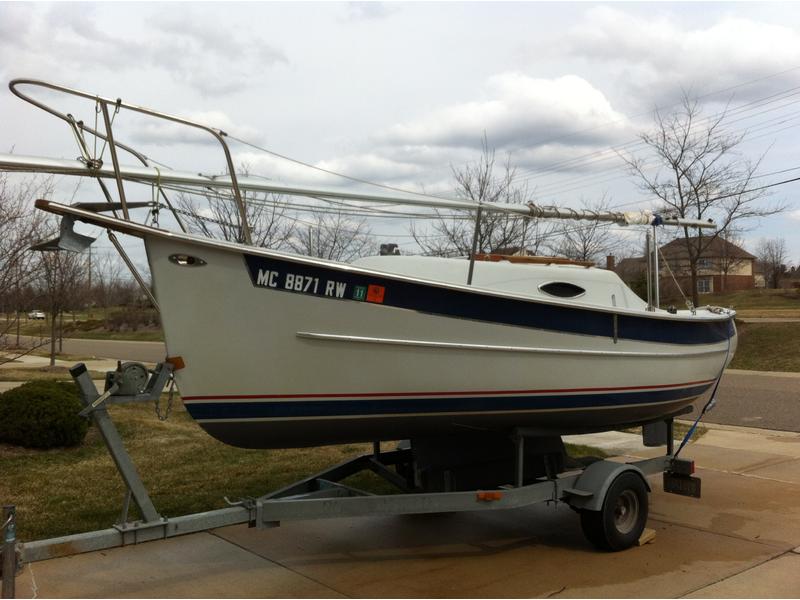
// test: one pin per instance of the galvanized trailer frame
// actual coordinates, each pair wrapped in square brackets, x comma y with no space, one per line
[322,495]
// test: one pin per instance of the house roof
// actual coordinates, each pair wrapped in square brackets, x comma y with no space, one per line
[717,248]
[631,268]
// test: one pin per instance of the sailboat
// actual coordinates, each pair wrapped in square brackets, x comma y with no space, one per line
[279,350]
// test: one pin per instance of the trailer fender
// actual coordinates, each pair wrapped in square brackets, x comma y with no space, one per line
[589,491]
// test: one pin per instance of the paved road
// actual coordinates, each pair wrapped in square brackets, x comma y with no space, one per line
[757,399]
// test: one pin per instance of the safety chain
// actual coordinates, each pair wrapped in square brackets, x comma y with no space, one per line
[156,204]
[165,416]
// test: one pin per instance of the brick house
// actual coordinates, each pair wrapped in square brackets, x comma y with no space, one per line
[790,280]
[723,267]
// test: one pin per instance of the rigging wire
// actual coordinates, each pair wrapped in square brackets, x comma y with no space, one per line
[376,212]
[742,108]
[709,94]
[329,172]
[556,188]
[637,142]
[467,216]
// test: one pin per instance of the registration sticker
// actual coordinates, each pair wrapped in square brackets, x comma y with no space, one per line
[360,292]
[375,293]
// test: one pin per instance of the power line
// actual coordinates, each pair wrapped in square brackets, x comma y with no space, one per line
[758,103]
[612,153]
[555,188]
[715,93]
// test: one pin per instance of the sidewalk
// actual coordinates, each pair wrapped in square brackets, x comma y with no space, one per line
[742,539]
[32,360]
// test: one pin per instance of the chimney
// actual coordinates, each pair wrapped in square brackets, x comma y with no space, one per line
[389,250]
[611,262]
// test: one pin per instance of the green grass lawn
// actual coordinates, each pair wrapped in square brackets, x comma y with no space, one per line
[768,347]
[93,325]
[141,335]
[758,302]
[72,490]
[15,373]
[81,331]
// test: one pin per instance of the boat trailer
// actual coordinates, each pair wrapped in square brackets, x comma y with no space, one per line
[611,497]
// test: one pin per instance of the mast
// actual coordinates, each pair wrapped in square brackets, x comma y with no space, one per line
[151,175]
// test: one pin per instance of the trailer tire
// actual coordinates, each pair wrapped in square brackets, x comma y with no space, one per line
[621,521]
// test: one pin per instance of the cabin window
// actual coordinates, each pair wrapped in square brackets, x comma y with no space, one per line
[562,289]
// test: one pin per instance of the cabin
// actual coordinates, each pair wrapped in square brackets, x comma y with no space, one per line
[723,267]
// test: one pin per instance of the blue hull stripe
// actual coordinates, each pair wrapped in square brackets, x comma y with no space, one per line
[282,276]
[333,408]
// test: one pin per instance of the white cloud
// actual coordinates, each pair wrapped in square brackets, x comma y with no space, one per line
[191,50]
[210,58]
[517,111]
[794,215]
[159,132]
[519,114]
[659,53]
[357,11]
[368,166]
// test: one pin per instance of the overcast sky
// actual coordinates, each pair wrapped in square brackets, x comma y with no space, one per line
[397,93]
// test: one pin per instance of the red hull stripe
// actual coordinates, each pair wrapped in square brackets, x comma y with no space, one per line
[435,394]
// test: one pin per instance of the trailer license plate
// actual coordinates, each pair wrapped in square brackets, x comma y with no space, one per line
[683,485]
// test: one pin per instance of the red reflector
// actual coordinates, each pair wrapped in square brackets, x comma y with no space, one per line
[176,362]
[490,496]
[375,293]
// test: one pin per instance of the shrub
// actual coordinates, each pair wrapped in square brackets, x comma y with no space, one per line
[131,319]
[42,414]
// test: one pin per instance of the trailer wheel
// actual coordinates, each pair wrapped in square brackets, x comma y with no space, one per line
[622,519]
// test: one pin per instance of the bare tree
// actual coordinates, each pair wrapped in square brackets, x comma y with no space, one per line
[700,174]
[18,226]
[216,215]
[479,182]
[62,281]
[590,241]
[334,236]
[772,255]
[106,272]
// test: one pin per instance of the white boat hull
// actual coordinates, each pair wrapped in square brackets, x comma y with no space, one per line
[270,362]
